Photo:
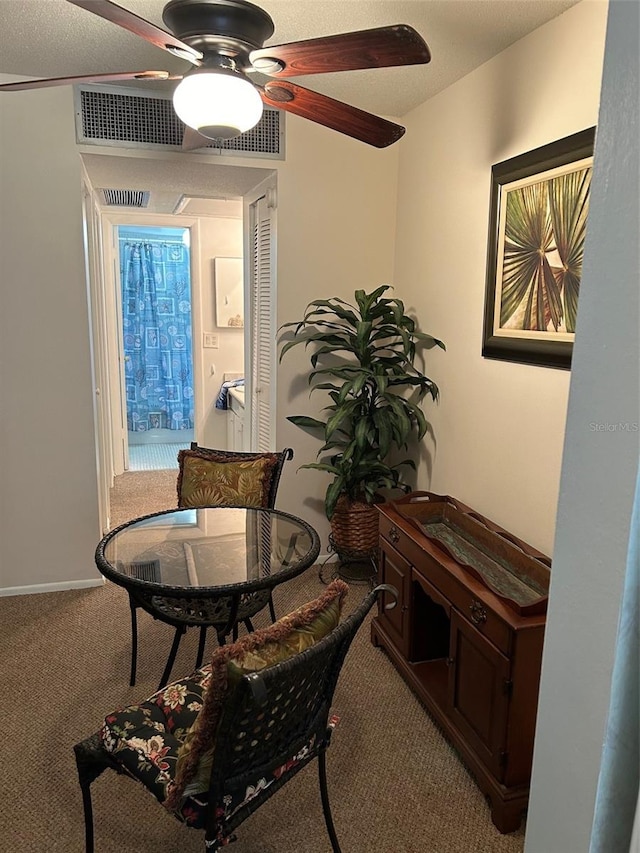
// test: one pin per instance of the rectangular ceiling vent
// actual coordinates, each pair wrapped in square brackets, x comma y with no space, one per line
[125,198]
[110,116]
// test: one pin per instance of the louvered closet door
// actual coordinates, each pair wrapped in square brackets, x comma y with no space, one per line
[263,331]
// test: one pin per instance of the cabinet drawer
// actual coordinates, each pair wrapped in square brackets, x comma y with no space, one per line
[399,540]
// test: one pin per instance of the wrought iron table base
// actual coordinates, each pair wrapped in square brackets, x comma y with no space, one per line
[190,613]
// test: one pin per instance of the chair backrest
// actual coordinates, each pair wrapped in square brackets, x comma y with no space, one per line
[275,722]
[203,482]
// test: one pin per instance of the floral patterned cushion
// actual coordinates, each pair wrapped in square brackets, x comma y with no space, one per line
[206,479]
[168,741]
[146,738]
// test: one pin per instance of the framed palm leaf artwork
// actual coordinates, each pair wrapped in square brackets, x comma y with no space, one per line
[537,228]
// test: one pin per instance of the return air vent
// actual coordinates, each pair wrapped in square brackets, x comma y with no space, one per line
[108,116]
[126,198]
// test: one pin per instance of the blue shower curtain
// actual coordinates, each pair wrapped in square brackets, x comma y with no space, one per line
[156,308]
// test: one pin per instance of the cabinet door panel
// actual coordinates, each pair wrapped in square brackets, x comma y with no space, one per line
[479,693]
[395,570]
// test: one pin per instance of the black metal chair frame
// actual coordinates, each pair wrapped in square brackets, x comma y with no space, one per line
[189,617]
[308,680]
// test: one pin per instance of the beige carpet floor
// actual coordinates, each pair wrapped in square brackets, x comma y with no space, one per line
[396,785]
[136,493]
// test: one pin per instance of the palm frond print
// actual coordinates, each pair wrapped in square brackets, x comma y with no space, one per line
[544,222]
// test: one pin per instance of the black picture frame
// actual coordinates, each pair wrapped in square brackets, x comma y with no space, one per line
[553,281]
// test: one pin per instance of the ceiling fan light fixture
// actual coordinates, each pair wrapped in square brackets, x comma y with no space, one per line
[218,103]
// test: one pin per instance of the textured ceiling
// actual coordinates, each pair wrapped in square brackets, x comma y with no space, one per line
[52,38]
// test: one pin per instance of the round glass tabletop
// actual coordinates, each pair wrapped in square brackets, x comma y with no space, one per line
[208,549]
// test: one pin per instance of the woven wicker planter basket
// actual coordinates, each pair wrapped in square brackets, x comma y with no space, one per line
[354,527]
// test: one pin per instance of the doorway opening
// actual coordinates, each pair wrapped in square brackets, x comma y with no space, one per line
[156,341]
[218,227]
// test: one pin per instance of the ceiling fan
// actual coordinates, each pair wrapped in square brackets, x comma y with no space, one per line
[223,39]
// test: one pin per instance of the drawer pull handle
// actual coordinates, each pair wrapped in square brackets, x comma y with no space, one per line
[394,535]
[478,612]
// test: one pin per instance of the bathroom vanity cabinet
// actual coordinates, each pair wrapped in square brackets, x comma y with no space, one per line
[235,422]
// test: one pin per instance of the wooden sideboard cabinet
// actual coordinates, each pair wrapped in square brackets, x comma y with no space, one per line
[467,635]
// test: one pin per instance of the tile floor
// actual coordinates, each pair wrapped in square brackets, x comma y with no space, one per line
[154,457]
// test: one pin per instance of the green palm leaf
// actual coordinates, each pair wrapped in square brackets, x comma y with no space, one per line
[569,206]
[528,281]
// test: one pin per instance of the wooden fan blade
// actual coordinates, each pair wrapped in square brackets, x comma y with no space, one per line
[377,48]
[334,114]
[145,29]
[90,78]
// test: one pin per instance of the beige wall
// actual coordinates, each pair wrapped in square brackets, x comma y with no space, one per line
[336,227]
[499,426]
[48,491]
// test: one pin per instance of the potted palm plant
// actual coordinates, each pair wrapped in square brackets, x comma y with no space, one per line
[363,356]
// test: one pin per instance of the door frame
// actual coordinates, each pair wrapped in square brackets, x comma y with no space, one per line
[113,321]
[267,188]
[91,217]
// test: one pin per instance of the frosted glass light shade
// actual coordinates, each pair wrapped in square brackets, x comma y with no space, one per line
[218,104]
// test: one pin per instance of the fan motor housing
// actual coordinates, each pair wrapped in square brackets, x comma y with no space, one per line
[218,24]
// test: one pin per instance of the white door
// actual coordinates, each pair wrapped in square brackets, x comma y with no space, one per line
[260,344]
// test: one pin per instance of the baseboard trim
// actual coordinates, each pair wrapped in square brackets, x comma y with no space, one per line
[58,586]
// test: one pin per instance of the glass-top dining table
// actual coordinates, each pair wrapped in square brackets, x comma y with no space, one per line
[207,567]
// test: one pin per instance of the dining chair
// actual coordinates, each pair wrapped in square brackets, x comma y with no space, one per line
[210,477]
[214,747]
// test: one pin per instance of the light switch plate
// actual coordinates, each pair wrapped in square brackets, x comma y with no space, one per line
[210,340]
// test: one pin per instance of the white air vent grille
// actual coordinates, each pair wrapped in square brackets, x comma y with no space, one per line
[111,117]
[126,198]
